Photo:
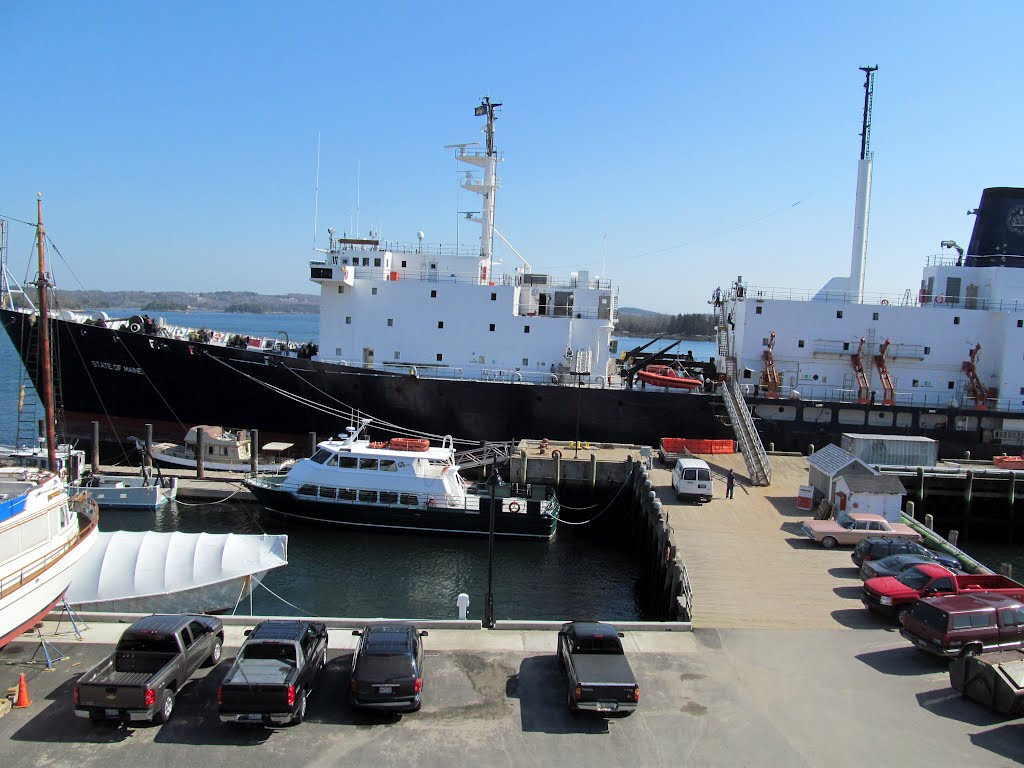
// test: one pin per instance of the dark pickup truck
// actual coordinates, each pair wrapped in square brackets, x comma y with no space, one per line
[274,672]
[154,658]
[599,677]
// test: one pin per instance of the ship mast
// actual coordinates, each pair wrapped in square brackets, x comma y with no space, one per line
[489,162]
[859,257]
[46,375]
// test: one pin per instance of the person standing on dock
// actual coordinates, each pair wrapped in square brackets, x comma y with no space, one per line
[730,484]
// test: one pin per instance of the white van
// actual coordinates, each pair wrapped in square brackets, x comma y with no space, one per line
[691,479]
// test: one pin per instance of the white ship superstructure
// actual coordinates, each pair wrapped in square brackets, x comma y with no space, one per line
[445,311]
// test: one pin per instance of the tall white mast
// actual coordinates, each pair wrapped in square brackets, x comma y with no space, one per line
[489,162]
[859,257]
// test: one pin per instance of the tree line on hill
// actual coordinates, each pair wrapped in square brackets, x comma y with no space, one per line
[689,326]
[243,302]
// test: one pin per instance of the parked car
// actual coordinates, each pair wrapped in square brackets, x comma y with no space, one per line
[691,479]
[894,565]
[154,658]
[275,671]
[387,667]
[598,676]
[877,547]
[889,595]
[855,527]
[967,624]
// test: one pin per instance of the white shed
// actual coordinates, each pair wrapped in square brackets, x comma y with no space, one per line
[870,494]
[827,464]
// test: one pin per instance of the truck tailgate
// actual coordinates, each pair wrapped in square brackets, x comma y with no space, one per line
[114,696]
[239,697]
[604,677]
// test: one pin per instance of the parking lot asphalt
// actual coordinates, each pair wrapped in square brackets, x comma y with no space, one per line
[737,697]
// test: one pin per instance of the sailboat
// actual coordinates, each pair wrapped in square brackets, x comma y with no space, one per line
[44,531]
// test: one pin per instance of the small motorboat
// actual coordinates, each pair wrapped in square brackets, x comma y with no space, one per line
[142,491]
[667,376]
[224,450]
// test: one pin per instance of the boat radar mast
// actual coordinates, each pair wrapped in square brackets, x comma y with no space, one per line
[488,160]
[859,257]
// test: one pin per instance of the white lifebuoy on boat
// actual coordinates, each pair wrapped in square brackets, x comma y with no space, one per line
[885,302]
[513,506]
[939,299]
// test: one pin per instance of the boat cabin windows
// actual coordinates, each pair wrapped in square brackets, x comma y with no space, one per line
[348,462]
[321,456]
[388,465]
[307,490]
[368,496]
[388,497]
[346,494]
[409,499]
[368,464]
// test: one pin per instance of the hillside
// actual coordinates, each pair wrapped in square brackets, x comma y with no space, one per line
[180,301]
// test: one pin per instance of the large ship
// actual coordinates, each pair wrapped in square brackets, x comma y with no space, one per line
[426,339]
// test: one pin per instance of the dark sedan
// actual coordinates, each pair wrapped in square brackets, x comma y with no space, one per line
[877,547]
[894,565]
[387,668]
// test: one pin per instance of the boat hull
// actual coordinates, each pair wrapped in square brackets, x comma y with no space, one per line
[431,520]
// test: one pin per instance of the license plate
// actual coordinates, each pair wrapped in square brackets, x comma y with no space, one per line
[385,688]
[111,713]
[251,718]
[607,706]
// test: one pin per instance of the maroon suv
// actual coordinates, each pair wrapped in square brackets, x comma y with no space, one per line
[965,624]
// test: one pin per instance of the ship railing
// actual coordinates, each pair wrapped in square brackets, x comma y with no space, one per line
[827,395]
[425,274]
[904,299]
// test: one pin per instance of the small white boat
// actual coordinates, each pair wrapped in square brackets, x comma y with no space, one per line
[43,535]
[143,491]
[224,450]
[151,572]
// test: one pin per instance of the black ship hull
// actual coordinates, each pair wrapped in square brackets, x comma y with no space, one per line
[529,524]
[125,380]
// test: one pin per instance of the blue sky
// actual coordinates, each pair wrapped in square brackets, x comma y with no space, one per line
[670,147]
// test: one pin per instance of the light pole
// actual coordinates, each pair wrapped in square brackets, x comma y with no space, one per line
[492,484]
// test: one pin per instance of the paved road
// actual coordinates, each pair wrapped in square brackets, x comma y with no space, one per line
[731,698]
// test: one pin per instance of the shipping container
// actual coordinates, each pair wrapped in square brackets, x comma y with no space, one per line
[900,450]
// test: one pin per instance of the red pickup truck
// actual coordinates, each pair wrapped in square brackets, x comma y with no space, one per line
[889,595]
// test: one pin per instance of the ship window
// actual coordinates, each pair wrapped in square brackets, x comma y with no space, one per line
[440,323]
[345,260]
[321,456]
[956,319]
[846,346]
[409,499]
[494,297]
[346,494]
[333,461]
[433,265]
[388,497]
[348,462]
[388,465]
[839,314]
[328,493]
[1022,390]
[433,294]
[337,350]
[376,262]
[366,261]
[927,350]
[1020,323]
[403,265]
[398,355]
[373,292]
[915,383]
[308,490]
[950,385]
[526,361]
[526,329]
[348,320]
[757,310]
[492,327]
[800,343]
[368,464]
[341,289]
[440,357]
[368,496]
[874,315]
[391,322]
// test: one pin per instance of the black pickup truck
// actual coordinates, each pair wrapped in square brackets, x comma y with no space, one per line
[275,671]
[599,677]
[154,658]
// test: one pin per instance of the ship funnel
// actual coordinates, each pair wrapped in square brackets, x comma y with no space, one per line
[998,237]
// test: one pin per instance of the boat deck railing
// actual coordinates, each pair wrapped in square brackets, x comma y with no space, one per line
[904,299]
[826,395]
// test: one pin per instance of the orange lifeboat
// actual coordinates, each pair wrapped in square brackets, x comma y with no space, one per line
[666,376]
[408,444]
[1009,462]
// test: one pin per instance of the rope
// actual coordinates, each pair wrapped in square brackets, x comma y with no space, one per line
[211,503]
[290,605]
[609,506]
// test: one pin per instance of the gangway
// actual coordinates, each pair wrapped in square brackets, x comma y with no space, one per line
[758,465]
[770,376]
[489,453]
[863,385]
[888,390]
[974,386]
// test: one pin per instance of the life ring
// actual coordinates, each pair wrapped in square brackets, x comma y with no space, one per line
[513,506]
[449,466]
[135,324]
[431,503]
[939,299]
[556,454]
[885,302]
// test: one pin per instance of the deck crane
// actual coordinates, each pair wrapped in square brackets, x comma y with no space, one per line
[770,376]
[974,386]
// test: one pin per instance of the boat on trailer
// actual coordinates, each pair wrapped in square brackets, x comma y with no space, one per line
[403,484]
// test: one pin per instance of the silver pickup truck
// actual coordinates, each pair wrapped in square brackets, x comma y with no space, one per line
[154,658]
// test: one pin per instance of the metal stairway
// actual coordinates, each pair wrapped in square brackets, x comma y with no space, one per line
[491,453]
[758,465]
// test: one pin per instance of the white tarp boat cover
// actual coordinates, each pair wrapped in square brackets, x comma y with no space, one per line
[127,565]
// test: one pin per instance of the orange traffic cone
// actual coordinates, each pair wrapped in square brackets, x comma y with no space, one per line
[22,700]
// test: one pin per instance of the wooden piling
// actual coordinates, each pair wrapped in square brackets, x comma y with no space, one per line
[95,450]
[312,443]
[254,450]
[200,453]
[147,458]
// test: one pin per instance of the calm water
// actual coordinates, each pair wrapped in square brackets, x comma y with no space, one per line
[583,571]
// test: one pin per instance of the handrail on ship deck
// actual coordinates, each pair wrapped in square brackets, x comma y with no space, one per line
[767,293]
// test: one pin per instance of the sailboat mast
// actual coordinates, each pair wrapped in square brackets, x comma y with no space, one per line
[46,375]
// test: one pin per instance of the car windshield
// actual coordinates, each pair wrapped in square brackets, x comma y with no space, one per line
[914,578]
[278,651]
